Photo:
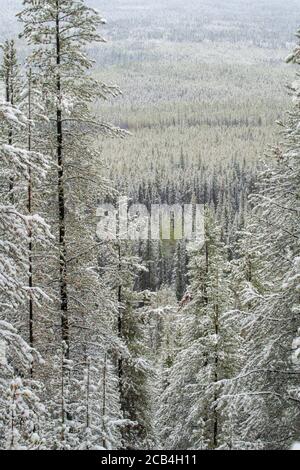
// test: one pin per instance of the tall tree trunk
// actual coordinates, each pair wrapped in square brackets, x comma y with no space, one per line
[120,334]
[120,327]
[29,208]
[205,294]
[87,408]
[61,199]
[216,379]
[216,371]
[104,402]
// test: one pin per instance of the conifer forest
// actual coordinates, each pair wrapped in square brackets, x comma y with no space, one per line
[149,225]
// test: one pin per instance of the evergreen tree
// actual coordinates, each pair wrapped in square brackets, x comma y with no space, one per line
[134,370]
[206,356]
[9,73]
[20,406]
[59,31]
[266,388]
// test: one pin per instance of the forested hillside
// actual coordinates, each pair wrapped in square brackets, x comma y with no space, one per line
[130,341]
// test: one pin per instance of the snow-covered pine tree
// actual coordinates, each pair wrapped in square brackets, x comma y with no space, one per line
[246,288]
[267,387]
[58,32]
[134,369]
[20,405]
[31,136]
[103,421]
[121,266]
[9,74]
[192,413]
[163,336]
[22,419]
[180,269]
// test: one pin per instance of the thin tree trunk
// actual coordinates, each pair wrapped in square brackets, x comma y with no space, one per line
[12,425]
[88,385]
[216,371]
[104,402]
[205,294]
[120,328]
[63,410]
[120,334]
[61,200]
[29,207]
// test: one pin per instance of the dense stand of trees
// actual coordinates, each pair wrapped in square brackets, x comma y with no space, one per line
[138,345]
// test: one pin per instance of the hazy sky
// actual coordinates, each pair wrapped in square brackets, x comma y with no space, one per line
[273,15]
